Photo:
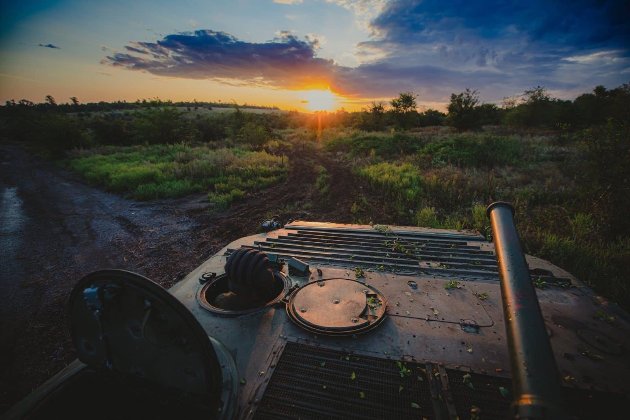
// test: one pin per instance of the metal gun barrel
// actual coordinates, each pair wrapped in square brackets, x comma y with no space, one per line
[538,394]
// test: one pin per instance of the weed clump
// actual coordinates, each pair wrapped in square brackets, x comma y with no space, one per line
[164,171]
[400,181]
[467,150]
[382,145]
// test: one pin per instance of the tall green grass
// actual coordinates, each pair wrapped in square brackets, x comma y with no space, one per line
[161,171]
[401,182]
[381,144]
[474,150]
[570,195]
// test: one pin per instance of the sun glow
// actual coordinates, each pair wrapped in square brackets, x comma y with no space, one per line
[320,100]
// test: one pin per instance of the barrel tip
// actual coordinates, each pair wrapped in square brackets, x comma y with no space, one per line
[499,204]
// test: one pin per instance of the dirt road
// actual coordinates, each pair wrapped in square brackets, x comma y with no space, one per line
[54,229]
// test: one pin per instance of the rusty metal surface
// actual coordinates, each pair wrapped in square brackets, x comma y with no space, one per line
[413,252]
[589,338]
[337,306]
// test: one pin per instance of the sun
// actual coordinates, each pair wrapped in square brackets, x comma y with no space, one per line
[320,100]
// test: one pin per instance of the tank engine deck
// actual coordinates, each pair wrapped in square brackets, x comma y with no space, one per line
[439,347]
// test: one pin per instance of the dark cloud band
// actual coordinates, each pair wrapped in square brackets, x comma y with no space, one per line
[284,62]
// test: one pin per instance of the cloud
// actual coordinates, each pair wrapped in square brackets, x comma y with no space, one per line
[317,41]
[49,46]
[288,2]
[364,10]
[596,57]
[576,24]
[501,46]
[430,47]
[284,62]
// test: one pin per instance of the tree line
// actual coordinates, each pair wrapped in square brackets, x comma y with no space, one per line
[74,105]
[58,127]
[533,108]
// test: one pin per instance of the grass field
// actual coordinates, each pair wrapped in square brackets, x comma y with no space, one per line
[445,180]
[560,184]
[159,171]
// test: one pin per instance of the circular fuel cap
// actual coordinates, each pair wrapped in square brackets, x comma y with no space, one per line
[337,307]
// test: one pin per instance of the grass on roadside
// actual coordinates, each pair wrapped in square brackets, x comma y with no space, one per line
[164,171]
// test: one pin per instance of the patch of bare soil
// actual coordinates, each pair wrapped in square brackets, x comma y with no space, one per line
[56,229]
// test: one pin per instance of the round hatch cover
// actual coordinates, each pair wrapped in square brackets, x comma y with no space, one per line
[337,307]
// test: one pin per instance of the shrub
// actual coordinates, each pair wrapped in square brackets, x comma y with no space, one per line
[604,266]
[224,200]
[480,221]
[399,181]
[162,125]
[605,176]
[113,130]
[254,134]
[462,111]
[431,117]
[384,145]
[129,178]
[322,182]
[166,189]
[427,217]
[474,150]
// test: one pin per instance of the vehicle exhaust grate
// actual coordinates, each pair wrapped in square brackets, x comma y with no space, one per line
[435,254]
[317,383]
[491,395]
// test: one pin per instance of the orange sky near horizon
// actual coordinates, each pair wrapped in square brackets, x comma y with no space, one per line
[94,82]
[94,85]
[130,86]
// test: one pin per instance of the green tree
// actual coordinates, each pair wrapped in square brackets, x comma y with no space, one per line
[254,134]
[404,109]
[536,110]
[489,114]
[406,102]
[160,125]
[536,95]
[373,117]
[599,90]
[462,110]
[431,117]
[50,100]
[377,109]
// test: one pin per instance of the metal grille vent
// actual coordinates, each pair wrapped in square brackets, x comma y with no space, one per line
[491,395]
[436,254]
[315,383]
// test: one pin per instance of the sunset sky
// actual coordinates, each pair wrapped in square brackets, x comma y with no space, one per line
[278,52]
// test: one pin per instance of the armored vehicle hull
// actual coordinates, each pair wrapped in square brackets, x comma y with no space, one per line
[366,322]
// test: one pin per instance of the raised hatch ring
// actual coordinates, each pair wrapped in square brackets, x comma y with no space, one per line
[209,296]
[249,284]
[337,307]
